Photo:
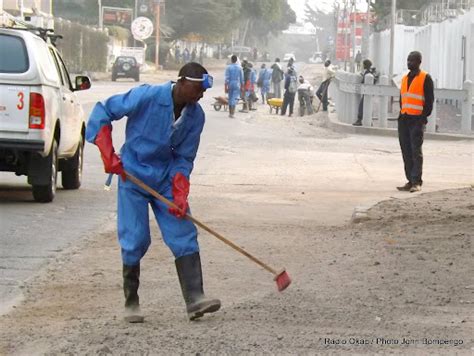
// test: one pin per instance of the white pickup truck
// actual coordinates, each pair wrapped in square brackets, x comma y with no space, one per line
[41,121]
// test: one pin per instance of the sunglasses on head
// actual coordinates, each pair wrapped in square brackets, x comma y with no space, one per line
[206,80]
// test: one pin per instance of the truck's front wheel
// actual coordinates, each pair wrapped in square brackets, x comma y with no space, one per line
[46,193]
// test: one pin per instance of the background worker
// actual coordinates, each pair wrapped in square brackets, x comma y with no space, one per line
[264,81]
[291,86]
[250,79]
[277,77]
[234,80]
[357,60]
[305,96]
[416,104]
[322,92]
[163,130]
[360,113]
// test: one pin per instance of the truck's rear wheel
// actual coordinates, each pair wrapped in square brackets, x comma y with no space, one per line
[46,193]
[72,178]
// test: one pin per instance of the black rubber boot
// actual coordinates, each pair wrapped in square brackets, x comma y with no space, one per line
[190,278]
[231,111]
[357,123]
[131,281]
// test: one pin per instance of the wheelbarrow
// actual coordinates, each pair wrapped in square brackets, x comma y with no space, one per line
[275,104]
[221,101]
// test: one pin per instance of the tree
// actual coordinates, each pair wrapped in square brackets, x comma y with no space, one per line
[208,18]
[261,18]
[382,8]
[324,23]
[216,19]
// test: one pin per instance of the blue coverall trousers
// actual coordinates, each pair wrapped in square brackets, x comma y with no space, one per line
[180,235]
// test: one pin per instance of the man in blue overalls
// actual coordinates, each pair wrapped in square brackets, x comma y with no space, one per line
[162,137]
[234,81]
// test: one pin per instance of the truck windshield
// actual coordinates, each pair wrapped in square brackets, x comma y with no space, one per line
[17,59]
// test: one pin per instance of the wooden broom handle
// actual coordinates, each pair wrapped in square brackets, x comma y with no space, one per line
[170,204]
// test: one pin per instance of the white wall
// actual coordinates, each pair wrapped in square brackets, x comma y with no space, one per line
[440,45]
[379,52]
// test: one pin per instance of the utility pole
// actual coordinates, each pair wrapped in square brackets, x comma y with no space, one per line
[157,34]
[134,17]
[366,42]
[346,45]
[101,25]
[336,21]
[392,40]
[354,28]
[21,11]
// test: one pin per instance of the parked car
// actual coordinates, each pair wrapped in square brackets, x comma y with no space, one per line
[41,121]
[317,57]
[287,57]
[241,52]
[125,67]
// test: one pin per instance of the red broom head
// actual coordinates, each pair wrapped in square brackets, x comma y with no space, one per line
[283,280]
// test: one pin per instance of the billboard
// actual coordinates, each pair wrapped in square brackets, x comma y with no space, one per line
[117,16]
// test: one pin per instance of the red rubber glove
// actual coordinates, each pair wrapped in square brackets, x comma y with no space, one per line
[112,162]
[180,191]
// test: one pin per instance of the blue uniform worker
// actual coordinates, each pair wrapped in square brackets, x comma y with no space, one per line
[265,77]
[250,88]
[163,130]
[234,81]
[156,148]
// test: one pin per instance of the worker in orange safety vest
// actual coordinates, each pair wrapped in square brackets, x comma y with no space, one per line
[416,104]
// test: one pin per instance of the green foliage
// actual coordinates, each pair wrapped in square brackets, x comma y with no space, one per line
[208,18]
[382,8]
[119,33]
[93,55]
[86,11]
[261,18]
[212,20]
[325,24]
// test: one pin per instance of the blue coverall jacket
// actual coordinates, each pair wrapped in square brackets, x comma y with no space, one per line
[156,148]
[234,79]
[265,77]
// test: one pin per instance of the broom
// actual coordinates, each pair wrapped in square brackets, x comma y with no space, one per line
[281,277]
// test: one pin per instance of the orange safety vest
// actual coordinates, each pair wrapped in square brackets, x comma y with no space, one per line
[413,99]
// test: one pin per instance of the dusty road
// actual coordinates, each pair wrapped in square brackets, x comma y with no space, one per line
[284,188]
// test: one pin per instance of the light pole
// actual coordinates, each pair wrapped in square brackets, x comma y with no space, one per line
[101,25]
[346,45]
[392,40]
[354,27]
[157,34]
[366,42]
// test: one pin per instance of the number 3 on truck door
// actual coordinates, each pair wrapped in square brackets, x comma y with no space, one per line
[21,103]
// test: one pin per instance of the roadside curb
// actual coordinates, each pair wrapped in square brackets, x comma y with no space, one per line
[341,127]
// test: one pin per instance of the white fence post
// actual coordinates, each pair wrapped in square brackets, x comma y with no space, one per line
[367,113]
[466,124]
[383,103]
[357,79]
[346,99]
[431,126]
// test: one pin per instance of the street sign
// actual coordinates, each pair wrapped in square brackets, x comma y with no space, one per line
[142,28]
